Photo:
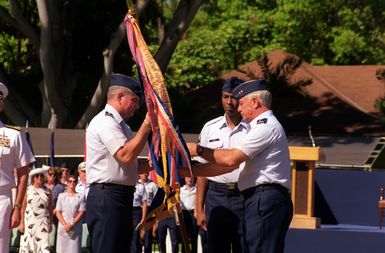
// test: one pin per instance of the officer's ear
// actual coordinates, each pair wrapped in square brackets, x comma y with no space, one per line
[255,102]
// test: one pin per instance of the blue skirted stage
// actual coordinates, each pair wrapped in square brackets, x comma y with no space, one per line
[347,203]
[340,238]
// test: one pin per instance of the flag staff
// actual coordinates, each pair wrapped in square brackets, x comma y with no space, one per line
[157,98]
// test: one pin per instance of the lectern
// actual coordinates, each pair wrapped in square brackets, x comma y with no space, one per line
[302,193]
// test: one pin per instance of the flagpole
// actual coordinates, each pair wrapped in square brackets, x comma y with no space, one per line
[154,84]
[27,136]
[130,7]
[52,148]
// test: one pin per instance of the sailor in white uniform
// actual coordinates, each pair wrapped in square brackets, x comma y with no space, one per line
[15,152]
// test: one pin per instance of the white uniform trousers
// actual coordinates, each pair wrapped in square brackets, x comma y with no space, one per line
[5,215]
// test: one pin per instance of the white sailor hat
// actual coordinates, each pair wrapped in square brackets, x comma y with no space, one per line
[3,90]
[82,166]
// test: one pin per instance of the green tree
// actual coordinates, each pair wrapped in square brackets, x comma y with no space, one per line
[223,35]
[331,31]
[281,83]
[72,46]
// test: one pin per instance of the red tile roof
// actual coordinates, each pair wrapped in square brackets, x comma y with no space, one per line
[339,101]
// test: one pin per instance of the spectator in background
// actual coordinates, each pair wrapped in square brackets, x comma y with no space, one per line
[163,225]
[82,187]
[52,178]
[37,214]
[52,181]
[60,186]
[70,209]
[187,200]
[151,189]
[138,215]
[64,173]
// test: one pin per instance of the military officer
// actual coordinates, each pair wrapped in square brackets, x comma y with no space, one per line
[264,179]
[112,166]
[15,152]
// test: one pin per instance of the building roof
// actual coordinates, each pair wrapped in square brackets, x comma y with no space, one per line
[340,100]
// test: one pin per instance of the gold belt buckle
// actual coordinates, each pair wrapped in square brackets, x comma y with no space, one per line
[231,186]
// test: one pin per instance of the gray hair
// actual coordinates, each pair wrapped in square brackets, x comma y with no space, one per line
[114,90]
[264,96]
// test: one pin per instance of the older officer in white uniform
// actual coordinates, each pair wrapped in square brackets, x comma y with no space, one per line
[265,178]
[112,166]
[15,152]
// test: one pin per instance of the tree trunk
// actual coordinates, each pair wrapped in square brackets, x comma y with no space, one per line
[182,19]
[50,62]
[108,55]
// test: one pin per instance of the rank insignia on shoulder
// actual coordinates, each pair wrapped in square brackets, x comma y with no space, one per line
[213,140]
[109,114]
[262,121]
[4,141]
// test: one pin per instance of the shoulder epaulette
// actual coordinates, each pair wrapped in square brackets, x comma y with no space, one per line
[108,114]
[17,128]
[213,121]
[262,121]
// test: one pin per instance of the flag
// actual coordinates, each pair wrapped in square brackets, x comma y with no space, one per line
[168,150]
[28,138]
[52,149]
[85,144]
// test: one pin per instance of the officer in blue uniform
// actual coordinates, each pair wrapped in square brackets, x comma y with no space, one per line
[218,198]
[151,189]
[170,224]
[139,213]
[112,166]
[264,179]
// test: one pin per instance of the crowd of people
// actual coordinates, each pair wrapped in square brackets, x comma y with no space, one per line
[42,217]
[241,202]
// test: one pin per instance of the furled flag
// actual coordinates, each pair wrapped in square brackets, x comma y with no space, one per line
[168,149]
[28,138]
[52,149]
[85,144]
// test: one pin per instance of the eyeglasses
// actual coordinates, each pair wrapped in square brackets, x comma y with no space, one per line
[51,174]
[72,181]
[39,175]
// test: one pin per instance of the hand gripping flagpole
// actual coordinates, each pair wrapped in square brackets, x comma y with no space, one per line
[167,148]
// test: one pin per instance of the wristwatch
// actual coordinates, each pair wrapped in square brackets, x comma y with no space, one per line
[18,205]
[200,150]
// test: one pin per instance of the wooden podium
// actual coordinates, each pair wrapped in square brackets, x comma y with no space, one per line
[302,193]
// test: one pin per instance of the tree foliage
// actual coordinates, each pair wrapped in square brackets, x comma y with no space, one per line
[226,34]
[63,52]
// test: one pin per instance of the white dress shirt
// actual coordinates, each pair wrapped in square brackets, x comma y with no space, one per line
[217,134]
[267,148]
[106,134]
